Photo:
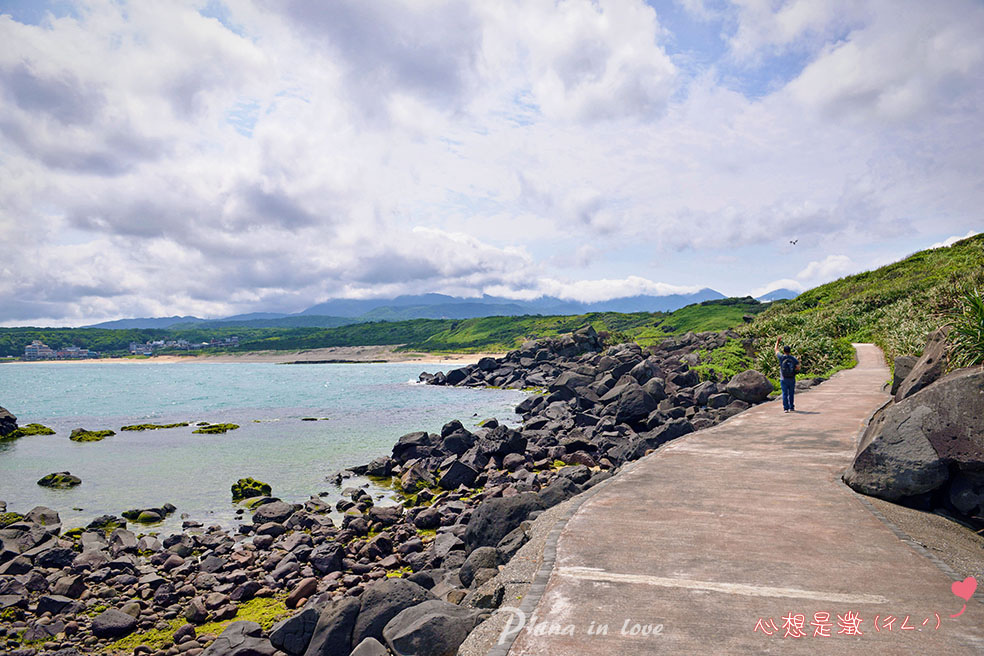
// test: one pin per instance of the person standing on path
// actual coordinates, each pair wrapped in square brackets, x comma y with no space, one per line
[788,366]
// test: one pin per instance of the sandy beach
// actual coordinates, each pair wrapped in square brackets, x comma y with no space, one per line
[334,354]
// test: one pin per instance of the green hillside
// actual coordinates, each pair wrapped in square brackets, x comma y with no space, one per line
[895,307]
[506,333]
[433,335]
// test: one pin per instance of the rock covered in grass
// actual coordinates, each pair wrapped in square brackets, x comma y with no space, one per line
[60,480]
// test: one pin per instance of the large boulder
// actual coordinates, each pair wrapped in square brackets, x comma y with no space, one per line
[495,518]
[458,474]
[333,632]
[910,447]
[432,628]
[8,422]
[277,512]
[903,367]
[60,480]
[927,368]
[112,623]
[632,404]
[293,635]
[241,639]
[750,386]
[381,602]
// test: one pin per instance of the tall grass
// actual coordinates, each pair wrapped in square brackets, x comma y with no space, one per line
[895,307]
[967,331]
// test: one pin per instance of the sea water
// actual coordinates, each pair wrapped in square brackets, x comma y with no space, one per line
[360,411]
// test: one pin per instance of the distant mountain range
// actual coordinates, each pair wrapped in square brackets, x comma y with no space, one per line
[777,295]
[340,312]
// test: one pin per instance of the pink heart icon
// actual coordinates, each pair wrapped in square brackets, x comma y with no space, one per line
[965,589]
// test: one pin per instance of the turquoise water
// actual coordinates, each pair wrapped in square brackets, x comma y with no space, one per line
[367,407]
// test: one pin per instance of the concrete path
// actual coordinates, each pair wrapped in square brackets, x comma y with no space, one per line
[740,526]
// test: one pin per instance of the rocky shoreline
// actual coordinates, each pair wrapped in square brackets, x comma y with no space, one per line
[410,578]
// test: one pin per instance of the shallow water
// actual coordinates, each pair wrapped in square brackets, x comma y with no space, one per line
[367,407]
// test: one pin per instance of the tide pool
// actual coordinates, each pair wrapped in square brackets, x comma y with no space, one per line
[361,409]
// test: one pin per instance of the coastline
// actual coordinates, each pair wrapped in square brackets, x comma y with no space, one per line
[328,355]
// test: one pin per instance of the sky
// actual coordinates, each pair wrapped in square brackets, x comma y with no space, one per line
[220,157]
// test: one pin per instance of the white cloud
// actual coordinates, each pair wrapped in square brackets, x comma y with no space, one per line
[366,149]
[950,241]
[781,283]
[598,290]
[829,268]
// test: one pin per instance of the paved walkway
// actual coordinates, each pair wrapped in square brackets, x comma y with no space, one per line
[743,522]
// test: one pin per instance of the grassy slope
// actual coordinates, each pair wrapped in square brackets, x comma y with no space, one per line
[895,307]
[505,333]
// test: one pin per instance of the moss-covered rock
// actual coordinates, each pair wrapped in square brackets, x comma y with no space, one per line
[30,429]
[216,428]
[73,533]
[143,427]
[8,518]
[106,523]
[60,480]
[83,435]
[149,515]
[246,488]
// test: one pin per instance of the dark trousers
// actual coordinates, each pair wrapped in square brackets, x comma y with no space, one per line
[788,387]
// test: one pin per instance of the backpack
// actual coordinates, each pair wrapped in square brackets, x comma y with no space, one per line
[788,367]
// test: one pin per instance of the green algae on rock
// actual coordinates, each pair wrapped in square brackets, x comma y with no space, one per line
[30,429]
[60,480]
[210,429]
[246,488]
[83,435]
[8,518]
[143,427]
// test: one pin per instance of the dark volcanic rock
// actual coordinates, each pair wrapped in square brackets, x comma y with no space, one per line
[381,602]
[293,634]
[483,557]
[903,366]
[8,422]
[333,632]
[241,639]
[750,386]
[431,628]
[458,474]
[60,480]
[112,623]
[494,518]
[910,447]
[277,512]
[927,368]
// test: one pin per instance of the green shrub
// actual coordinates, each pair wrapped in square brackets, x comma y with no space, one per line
[721,364]
[967,331]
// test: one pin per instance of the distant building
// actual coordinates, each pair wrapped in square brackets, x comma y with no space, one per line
[38,350]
